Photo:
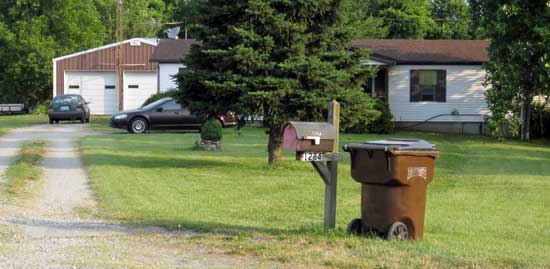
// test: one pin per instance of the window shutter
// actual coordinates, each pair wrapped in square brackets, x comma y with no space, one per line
[441,88]
[416,94]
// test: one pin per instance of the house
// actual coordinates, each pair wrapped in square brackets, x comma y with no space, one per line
[168,56]
[94,74]
[432,85]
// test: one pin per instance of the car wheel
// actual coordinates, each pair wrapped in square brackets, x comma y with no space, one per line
[56,121]
[51,121]
[138,126]
[82,120]
[87,120]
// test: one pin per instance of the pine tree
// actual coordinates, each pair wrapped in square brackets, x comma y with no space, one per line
[277,58]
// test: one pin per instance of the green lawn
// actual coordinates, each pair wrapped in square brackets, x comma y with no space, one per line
[487,207]
[13,121]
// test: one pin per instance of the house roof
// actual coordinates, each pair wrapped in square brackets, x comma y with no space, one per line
[149,41]
[172,50]
[388,51]
[427,51]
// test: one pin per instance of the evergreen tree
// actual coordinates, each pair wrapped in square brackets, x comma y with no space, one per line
[362,17]
[280,59]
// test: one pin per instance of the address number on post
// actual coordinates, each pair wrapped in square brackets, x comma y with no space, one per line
[312,157]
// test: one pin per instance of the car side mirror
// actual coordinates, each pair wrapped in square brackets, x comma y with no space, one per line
[160,109]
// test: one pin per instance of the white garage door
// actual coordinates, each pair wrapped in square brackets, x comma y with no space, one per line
[98,88]
[138,86]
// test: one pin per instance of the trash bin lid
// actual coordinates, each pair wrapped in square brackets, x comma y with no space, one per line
[397,144]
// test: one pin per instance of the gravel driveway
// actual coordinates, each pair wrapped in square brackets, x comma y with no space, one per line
[46,231]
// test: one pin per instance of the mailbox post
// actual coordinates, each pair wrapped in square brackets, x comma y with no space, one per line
[317,142]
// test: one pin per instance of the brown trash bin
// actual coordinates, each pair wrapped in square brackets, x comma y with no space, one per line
[394,174]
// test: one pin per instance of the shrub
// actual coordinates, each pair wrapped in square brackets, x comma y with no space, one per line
[157,96]
[41,108]
[212,130]
[384,123]
[380,122]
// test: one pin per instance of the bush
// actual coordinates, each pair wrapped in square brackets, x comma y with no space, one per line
[380,122]
[357,111]
[41,108]
[384,123]
[212,130]
[155,97]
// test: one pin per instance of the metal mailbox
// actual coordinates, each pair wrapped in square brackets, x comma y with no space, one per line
[309,136]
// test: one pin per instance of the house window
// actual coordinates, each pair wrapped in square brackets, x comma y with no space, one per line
[110,87]
[74,87]
[428,86]
[133,86]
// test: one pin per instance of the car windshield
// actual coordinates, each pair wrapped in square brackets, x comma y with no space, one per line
[153,104]
[66,99]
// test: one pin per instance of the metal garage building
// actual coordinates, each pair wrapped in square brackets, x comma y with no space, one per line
[93,74]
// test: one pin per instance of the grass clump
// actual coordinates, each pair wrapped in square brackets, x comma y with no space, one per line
[26,166]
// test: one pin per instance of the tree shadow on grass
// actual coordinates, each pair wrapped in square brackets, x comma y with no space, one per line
[233,229]
[150,162]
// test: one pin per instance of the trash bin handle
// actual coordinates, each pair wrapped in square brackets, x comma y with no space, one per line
[351,146]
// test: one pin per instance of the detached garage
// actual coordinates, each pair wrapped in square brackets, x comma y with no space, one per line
[93,74]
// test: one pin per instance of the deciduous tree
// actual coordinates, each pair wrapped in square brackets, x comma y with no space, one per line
[452,19]
[519,60]
[32,32]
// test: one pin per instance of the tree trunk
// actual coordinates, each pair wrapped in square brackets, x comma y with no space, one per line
[526,120]
[275,145]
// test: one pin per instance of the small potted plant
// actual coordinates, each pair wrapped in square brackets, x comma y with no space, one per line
[211,136]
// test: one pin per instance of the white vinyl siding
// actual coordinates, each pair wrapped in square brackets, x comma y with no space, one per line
[138,86]
[91,86]
[166,73]
[465,93]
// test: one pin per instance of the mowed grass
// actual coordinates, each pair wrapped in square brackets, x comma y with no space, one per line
[487,206]
[26,168]
[14,121]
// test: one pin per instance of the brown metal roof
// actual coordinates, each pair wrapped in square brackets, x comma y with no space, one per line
[427,51]
[172,50]
[394,51]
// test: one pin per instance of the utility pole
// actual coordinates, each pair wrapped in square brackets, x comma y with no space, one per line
[119,52]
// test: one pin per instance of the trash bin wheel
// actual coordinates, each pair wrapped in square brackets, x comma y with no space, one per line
[355,227]
[398,230]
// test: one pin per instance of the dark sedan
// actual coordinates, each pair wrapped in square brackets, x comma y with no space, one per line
[164,114]
[68,107]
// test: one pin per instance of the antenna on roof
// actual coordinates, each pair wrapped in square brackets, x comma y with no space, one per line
[172,33]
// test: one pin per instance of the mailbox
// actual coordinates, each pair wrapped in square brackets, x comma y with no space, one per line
[309,136]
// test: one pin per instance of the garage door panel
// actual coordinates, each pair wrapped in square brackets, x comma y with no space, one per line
[138,86]
[94,88]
